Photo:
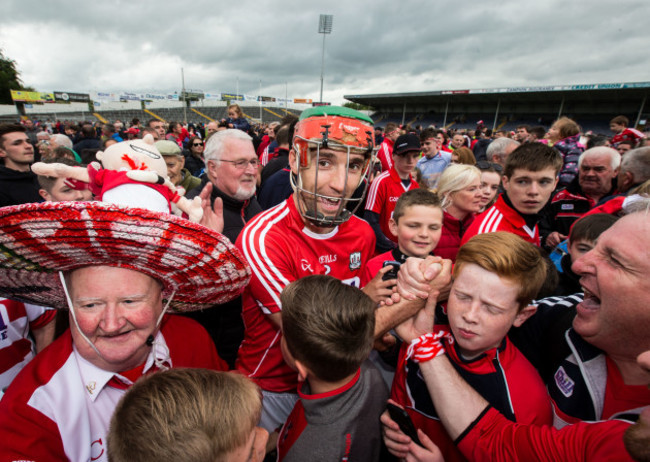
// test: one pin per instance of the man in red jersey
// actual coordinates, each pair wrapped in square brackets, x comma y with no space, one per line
[385,153]
[312,232]
[117,270]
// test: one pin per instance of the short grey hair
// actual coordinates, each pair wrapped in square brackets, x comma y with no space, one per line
[614,155]
[636,204]
[498,147]
[215,145]
[61,140]
[637,162]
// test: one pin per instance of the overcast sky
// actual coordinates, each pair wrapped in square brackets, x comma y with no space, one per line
[375,46]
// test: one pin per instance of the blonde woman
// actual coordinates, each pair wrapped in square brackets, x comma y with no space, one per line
[459,188]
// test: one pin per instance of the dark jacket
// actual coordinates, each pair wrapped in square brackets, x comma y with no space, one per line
[276,189]
[276,164]
[224,322]
[235,213]
[18,187]
[195,165]
[480,149]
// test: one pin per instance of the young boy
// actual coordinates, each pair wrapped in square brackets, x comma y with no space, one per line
[417,224]
[188,414]
[434,160]
[63,189]
[582,238]
[619,125]
[327,336]
[388,187]
[495,277]
[529,178]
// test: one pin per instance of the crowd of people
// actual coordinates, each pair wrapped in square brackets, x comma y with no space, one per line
[242,292]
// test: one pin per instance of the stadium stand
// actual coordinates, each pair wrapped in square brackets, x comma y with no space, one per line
[591,105]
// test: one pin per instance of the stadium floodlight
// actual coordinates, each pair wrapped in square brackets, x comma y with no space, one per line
[324,27]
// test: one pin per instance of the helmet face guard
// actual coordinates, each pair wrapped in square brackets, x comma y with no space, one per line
[338,129]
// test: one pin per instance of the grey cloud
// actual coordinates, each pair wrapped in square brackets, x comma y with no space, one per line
[375,46]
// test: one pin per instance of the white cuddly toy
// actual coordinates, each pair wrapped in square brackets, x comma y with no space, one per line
[131,173]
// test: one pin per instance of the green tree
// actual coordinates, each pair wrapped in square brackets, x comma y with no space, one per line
[9,78]
[358,107]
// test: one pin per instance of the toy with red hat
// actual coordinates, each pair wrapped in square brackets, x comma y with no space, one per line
[131,173]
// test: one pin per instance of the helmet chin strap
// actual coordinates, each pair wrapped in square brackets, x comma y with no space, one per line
[150,339]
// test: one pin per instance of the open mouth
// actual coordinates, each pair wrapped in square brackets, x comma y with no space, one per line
[329,204]
[590,301]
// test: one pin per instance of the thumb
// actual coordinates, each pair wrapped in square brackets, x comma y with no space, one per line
[426,441]
[217,207]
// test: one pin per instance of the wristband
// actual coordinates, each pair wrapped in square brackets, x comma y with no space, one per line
[427,347]
[77,185]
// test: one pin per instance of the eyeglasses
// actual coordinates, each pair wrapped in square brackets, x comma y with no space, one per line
[485,165]
[243,163]
[197,144]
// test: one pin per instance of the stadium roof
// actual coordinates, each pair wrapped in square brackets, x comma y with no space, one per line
[600,92]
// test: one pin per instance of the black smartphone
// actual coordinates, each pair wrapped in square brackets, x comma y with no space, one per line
[401,417]
[392,273]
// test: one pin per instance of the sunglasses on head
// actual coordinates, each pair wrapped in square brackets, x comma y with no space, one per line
[485,165]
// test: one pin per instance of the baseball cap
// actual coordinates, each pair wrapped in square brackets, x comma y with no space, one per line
[406,143]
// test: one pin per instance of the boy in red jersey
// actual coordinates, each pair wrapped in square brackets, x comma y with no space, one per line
[417,223]
[620,126]
[529,178]
[495,277]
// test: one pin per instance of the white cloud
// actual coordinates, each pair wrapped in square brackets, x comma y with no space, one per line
[375,46]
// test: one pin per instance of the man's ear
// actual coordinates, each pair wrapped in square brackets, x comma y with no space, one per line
[505,182]
[182,159]
[524,314]
[293,161]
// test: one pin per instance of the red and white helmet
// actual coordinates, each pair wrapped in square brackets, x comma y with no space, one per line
[340,129]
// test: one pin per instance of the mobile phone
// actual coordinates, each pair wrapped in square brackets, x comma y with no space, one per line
[401,417]
[392,273]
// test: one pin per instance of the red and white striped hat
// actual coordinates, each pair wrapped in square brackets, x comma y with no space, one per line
[38,240]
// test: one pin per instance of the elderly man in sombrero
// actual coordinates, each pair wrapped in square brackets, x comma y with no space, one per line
[119,270]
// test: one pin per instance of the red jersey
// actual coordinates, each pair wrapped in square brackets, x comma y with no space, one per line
[629,134]
[17,319]
[383,195]
[493,438]
[281,249]
[385,154]
[59,407]
[502,217]
[503,376]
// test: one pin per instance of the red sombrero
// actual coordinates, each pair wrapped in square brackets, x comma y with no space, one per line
[39,240]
